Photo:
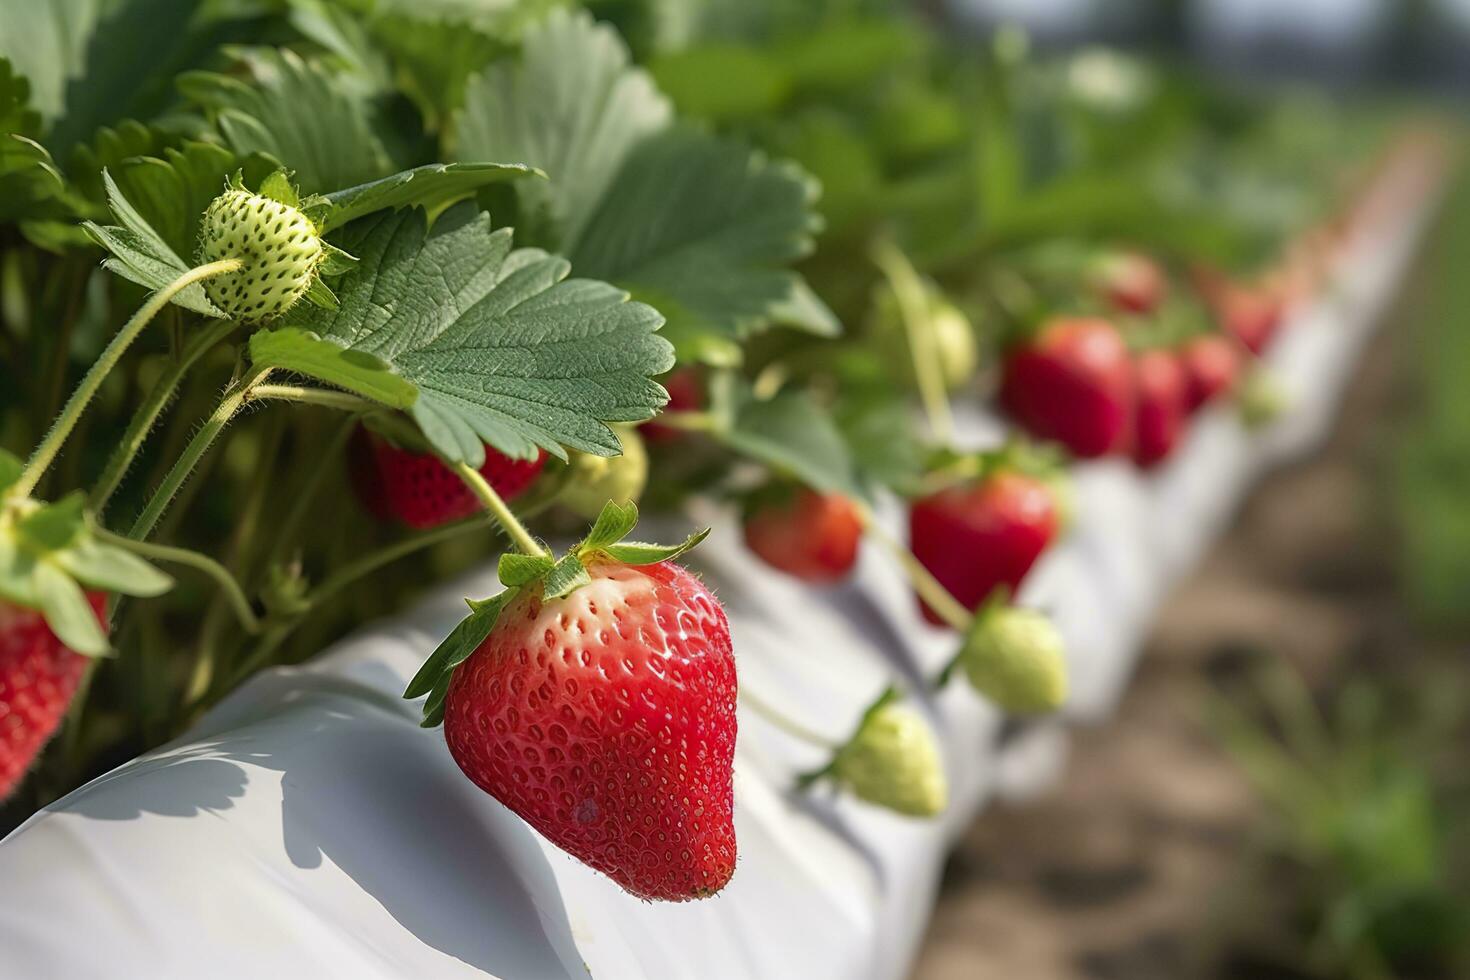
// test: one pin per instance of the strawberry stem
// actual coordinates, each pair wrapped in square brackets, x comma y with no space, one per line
[784,723]
[235,396]
[499,510]
[158,397]
[46,452]
[230,588]
[340,400]
[929,588]
[913,309]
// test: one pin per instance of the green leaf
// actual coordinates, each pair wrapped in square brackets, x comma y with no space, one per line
[30,185]
[502,348]
[431,187]
[795,436]
[517,569]
[112,569]
[433,677]
[299,113]
[435,59]
[568,575]
[574,106]
[139,254]
[722,82]
[170,192]
[614,524]
[358,371]
[67,611]
[11,467]
[706,228]
[47,43]
[639,553]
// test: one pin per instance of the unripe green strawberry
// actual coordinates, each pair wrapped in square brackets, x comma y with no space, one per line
[595,480]
[1261,399]
[277,243]
[1015,658]
[892,761]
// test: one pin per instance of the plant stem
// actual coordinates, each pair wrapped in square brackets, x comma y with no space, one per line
[913,308]
[67,420]
[497,507]
[305,496]
[234,397]
[199,562]
[784,723]
[144,419]
[315,396]
[344,577]
[929,588]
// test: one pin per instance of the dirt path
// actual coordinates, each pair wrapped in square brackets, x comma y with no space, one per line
[1120,871]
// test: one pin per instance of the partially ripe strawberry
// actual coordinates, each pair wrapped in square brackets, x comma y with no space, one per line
[420,491]
[606,720]
[977,536]
[813,536]
[1250,314]
[1131,282]
[893,761]
[686,394]
[1072,383]
[1015,658]
[1211,366]
[278,244]
[1162,411]
[38,676]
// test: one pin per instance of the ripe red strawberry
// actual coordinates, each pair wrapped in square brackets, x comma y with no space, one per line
[1249,314]
[1073,383]
[1211,366]
[606,720]
[1132,282]
[1161,414]
[686,394]
[419,490]
[977,536]
[813,536]
[38,677]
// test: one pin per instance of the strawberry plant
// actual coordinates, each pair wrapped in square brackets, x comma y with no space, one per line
[501,272]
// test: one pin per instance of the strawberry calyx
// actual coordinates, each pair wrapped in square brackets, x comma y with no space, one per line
[50,557]
[947,467]
[553,578]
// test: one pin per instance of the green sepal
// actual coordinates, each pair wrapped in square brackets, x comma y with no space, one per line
[278,188]
[641,553]
[614,523]
[335,262]
[48,555]
[67,611]
[567,576]
[433,677]
[517,570]
[320,294]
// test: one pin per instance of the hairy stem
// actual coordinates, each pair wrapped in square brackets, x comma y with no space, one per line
[315,396]
[158,398]
[784,722]
[235,396]
[67,420]
[230,588]
[499,510]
